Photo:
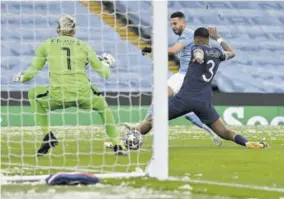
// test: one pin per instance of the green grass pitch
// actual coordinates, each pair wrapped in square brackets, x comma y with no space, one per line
[198,168]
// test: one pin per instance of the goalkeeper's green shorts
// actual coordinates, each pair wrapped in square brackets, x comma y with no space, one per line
[91,99]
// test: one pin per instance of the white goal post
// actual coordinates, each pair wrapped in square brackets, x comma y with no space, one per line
[22,170]
[159,165]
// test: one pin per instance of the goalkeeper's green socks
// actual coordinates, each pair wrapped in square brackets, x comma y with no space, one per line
[110,126]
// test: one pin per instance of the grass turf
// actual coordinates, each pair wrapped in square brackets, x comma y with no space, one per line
[192,155]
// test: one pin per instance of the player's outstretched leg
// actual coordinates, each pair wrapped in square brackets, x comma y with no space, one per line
[226,134]
[36,96]
[149,111]
[196,121]
[100,105]
[145,126]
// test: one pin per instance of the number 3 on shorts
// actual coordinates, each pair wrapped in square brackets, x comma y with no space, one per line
[210,70]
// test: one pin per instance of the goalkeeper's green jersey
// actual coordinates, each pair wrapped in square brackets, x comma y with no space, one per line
[67,58]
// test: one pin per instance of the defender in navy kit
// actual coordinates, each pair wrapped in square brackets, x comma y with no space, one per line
[196,93]
[182,48]
[196,89]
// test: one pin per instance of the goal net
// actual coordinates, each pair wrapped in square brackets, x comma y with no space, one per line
[109,27]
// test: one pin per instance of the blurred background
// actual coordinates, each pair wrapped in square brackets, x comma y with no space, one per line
[254,29]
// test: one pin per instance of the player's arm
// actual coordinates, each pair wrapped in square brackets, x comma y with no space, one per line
[36,65]
[171,50]
[176,48]
[184,40]
[100,64]
[228,51]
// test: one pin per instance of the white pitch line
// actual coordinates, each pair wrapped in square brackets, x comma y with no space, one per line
[118,175]
[225,184]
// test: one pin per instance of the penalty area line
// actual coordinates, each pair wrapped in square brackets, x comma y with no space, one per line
[235,185]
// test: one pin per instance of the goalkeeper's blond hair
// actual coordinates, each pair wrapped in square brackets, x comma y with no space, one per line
[66,25]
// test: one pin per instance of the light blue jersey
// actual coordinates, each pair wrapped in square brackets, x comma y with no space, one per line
[185,54]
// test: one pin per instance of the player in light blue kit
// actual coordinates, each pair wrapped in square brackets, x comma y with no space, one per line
[183,47]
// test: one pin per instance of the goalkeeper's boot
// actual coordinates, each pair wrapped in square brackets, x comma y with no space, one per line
[256,145]
[49,140]
[120,149]
[110,145]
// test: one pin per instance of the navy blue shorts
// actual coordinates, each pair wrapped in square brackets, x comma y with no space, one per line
[204,110]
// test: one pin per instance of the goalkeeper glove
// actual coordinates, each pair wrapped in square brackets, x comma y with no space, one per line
[107,59]
[18,77]
[146,50]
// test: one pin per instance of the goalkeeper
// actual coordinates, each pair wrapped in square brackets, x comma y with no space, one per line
[67,58]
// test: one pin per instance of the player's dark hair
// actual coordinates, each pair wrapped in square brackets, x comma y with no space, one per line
[178,15]
[201,32]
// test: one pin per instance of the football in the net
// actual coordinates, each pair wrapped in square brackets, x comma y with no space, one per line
[132,139]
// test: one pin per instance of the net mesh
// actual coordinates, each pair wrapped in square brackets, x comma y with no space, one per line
[81,133]
[122,28]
